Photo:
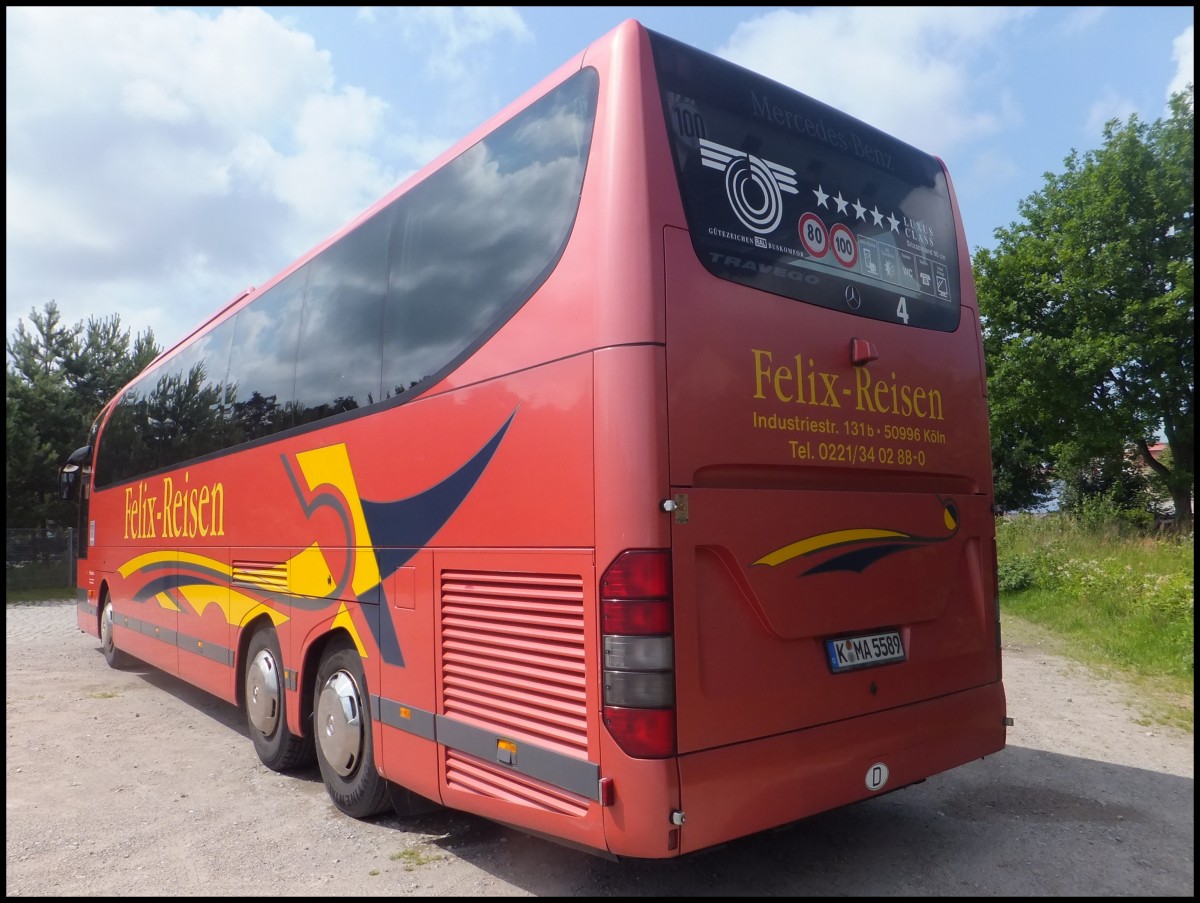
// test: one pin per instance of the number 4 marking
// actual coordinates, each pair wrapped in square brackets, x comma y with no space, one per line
[902,310]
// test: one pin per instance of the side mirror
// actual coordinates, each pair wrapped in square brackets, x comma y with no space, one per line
[68,482]
[68,474]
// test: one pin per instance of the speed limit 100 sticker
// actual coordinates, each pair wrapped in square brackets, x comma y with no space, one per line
[813,235]
[845,245]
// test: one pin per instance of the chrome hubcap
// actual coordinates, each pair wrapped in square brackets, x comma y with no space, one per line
[106,627]
[262,692]
[340,724]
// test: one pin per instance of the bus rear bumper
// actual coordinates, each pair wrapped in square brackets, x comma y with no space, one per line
[749,787]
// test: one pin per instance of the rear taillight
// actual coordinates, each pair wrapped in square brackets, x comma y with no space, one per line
[639,653]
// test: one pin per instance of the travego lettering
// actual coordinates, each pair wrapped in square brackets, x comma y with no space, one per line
[763,269]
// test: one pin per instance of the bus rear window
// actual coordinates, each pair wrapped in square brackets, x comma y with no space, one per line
[786,194]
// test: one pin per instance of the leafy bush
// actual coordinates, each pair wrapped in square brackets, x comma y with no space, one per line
[1017,572]
[1118,595]
[1104,512]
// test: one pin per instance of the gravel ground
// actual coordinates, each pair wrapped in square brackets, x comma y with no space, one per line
[132,783]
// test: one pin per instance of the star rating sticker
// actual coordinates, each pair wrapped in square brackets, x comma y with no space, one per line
[877,216]
[859,209]
[894,222]
[841,202]
[822,197]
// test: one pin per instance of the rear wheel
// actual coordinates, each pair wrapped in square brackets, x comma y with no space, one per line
[342,725]
[277,747]
[114,656]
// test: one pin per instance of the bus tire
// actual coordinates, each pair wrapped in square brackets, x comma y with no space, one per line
[342,726]
[266,712]
[108,644]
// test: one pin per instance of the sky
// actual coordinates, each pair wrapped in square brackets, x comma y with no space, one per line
[161,160]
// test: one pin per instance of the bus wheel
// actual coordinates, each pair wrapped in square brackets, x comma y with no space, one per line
[342,724]
[277,747]
[114,656]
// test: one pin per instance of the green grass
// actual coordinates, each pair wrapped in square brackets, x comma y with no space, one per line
[40,594]
[413,858]
[1119,601]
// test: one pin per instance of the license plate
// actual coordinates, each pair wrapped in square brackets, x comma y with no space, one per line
[852,652]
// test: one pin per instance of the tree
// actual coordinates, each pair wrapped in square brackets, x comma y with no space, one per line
[104,359]
[57,380]
[1089,313]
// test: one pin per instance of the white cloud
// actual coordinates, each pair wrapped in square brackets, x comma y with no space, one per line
[236,67]
[459,34]
[1081,19]
[993,167]
[1110,106]
[906,70]
[159,159]
[1183,55]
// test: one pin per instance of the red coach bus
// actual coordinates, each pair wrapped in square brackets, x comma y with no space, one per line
[623,476]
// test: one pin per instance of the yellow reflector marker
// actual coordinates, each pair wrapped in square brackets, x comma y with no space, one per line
[948,517]
[506,752]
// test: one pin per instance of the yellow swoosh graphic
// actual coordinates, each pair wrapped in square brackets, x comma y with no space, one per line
[237,608]
[827,541]
[141,561]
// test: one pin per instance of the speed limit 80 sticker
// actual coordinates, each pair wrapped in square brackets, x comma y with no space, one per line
[813,235]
